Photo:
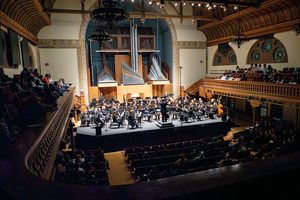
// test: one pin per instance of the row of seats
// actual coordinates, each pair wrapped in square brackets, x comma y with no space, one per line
[158,161]
[205,141]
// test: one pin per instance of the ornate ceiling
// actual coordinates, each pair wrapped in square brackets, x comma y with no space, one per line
[258,17]
[271,16]
[26,17]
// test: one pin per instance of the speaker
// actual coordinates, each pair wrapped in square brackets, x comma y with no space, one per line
[223,117]
[98,130]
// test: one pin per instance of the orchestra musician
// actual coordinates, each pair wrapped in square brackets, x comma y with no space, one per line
[131,120]
[220,109]
[134,110]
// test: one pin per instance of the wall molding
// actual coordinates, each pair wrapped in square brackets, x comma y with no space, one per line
[177,45]
[79,45]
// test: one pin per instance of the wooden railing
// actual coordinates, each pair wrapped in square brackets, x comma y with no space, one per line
[41,156]
[166,70]
[271,91]
[192,89]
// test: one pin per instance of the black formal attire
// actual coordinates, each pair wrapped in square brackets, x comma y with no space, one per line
[163,107]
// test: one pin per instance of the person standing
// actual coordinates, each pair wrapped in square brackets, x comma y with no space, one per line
[163,106]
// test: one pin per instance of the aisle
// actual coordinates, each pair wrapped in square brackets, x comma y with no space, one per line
[119,173]
[242,125]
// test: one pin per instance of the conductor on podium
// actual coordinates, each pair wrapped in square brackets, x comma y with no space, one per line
[163,106]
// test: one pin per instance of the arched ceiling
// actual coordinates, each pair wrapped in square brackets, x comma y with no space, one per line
[271,16]
[25,17]
[258,17]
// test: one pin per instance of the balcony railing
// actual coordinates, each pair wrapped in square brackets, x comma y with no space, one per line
[273,91]
[41,156]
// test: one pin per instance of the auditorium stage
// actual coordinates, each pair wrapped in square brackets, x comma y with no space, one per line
[148,134]
[146,126]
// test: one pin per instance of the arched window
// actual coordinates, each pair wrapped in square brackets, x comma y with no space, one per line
[268,50]
[225,57]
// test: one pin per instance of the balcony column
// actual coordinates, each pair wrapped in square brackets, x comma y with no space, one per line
[254,104]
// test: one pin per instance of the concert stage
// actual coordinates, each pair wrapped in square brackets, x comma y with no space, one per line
[148,134]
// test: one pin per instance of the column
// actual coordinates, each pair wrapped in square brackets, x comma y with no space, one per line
[254,104]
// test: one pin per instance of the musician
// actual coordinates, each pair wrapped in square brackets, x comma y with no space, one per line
[85,118]
[220,109]
[111,100]
[177,111]
[101,98]
[99,119]
[185,114]
[93,102]
[164,112]
[116,119]
[147,113]
[131,120]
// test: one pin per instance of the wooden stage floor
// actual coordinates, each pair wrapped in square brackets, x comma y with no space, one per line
[146,126]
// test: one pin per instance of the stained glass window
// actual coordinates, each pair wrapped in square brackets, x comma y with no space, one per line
[279,54]
[267,46]
[255,56]
[232,58]
[225,54]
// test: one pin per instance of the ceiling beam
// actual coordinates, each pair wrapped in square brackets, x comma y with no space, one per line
[151,15]
[223,2]
[39,9]
[10,23]
[134,14]
[67,11]
[277,28]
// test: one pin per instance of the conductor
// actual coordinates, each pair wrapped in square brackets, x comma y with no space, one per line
[163,106]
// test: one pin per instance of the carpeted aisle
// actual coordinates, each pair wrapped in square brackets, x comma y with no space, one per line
[119,173]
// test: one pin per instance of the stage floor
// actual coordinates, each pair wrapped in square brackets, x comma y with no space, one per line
[146,126]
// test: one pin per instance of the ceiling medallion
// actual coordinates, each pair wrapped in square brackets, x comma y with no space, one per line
[109,12]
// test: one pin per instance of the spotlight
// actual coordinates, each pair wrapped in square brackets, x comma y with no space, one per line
[184,3]
[150,2]
[175,4]
[235,7]
[192,4]
[199,4]
[215,5]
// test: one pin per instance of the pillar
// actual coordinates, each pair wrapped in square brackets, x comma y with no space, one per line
[254,104]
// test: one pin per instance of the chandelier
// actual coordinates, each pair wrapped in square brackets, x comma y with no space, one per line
[100,35]
[109,12]
[239,38]
[296,28]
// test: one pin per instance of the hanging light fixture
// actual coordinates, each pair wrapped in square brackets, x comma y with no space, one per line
[100,35]
[239,38]
[109,12]
[296,28]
